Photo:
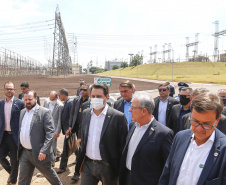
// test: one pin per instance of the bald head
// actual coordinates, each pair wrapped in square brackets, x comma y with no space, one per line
[53,95]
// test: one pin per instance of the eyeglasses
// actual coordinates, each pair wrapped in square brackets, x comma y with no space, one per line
[203,125]
[83,89]
[132,108]
[9,89]
[162,90]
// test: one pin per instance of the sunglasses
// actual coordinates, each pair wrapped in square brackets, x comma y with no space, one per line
[162,90]
[83,89]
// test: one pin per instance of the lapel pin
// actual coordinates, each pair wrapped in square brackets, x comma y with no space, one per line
[152,129]
[215,154]
[201,166]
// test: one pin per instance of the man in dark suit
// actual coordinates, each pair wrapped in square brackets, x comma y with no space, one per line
[179,110]
[24,87]
[36,135]
[163,105]
[81,82]
[147,145]
[198,155]
[10,108]
[65,117]
[123,104]
[103,136]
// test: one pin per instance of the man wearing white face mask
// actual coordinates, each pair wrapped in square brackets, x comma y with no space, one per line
[55,106]
[103,136]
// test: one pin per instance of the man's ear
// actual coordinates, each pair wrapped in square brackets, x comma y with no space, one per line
[107,96]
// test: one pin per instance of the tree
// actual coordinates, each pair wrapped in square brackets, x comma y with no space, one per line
[85,71]
[115,67]
[95,70]
[137,60]
[124,64]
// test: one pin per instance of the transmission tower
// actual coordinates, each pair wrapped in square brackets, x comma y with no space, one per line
[154,53]
[192,44]
[216,40]
[61,63]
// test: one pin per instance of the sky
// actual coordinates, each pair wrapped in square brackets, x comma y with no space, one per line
[111,29]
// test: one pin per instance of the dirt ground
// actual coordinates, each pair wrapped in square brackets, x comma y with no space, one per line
[43,85]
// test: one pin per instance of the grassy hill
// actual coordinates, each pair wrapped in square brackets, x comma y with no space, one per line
[199,72]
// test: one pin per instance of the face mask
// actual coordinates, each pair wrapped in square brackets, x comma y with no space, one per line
[53,102]
[97,103]
[224,100]
[184,100]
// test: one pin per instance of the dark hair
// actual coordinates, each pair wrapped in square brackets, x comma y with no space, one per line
[32,91]
[24,84]
[187,88]
[86,85]
[9,82]
[126,83]
[100,86]
[164,84]
[64,91]
[207,102]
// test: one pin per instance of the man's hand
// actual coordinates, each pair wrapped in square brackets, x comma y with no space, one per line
[79,142]
[68,131]
[41,156]
[57,135]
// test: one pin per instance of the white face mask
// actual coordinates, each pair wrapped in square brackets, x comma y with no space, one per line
[97,103]
[53,102]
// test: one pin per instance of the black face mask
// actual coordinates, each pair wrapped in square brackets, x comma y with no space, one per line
[184,100]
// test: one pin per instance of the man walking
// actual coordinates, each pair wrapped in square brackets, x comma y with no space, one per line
[10,108]
[35,141]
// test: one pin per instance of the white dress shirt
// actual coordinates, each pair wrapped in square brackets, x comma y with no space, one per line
[162,111]
[7,113]
[25,128]
[194,161]
[134,141]
[52,105]
[95,128]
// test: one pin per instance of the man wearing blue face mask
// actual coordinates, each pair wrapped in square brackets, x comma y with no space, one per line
[179,110]
[103,136]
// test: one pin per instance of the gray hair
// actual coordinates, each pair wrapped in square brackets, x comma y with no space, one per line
[200,90]
[145,101]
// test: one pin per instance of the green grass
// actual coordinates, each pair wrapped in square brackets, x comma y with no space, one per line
[199,72]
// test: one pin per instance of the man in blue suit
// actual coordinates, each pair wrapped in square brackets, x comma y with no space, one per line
[198,155]
[10,108]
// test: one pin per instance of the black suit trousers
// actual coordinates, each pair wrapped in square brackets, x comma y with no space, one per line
[8,146]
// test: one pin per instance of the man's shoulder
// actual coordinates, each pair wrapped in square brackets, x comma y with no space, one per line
[171,99]
[121,100]
[176,107]
[156,99]
[221,137]
[161,127]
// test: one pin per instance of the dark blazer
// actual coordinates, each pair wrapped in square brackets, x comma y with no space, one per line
[21,95]
[17,106]
[224,111]
[112,140]
[214,170]
[150,155]
[119,105]
[171,103]
[65,115]
[187,125]
[174,119]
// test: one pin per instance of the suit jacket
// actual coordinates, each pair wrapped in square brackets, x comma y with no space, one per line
[224,111]
[174,119]
[171,103]
[214,169]
[187,125]
[41,133]
[21,95]
[119,105]
[65,115]
[112,140]
[17,106]
[150,155]
[56,113]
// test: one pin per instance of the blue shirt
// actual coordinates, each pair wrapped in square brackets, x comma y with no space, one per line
[162,111]
[127,106]
[182,113]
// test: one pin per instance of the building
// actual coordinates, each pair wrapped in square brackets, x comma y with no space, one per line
[223,57]
[110,64]
[76,69]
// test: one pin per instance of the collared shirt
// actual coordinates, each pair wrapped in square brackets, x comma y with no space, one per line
[95,128]
[128,115]
[51,106]
[7,112]
[162,111]
[25,128]
[194,161]
[182,113]
[134,141]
